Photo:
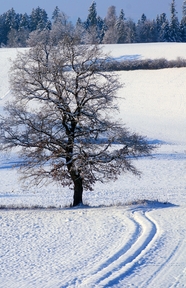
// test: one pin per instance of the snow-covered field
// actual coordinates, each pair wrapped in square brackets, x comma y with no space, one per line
[142,244]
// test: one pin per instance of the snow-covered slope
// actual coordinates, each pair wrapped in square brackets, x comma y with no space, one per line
[169,51]
[124,245]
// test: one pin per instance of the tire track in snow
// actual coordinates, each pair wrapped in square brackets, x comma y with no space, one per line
[160,271]
[169,268]
[124,261]
[133,231]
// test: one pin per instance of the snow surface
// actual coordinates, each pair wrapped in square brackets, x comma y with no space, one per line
[130,242]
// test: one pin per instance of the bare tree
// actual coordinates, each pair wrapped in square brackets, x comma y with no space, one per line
[39,36]
[18,38]
[60,27]
[61,117]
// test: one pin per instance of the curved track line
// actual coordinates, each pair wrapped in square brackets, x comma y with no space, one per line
[169,269]
[134,230]
[159,270]
[126,262]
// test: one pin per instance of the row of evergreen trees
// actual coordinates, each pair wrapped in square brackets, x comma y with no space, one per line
[16,29]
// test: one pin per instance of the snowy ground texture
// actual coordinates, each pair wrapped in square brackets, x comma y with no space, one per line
[132,243]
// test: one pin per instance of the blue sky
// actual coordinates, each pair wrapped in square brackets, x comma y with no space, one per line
[79,8]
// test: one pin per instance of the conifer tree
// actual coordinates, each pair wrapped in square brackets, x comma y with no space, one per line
[183,22]
[175,35]
[161,25]
[92,16]
[120,28]
[4,30]
[101,28]
[56,14]
[39,19]
[91,25]
[130,31]
[165,32]
[140,29]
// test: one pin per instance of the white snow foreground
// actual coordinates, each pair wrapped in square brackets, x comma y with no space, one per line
[94,247]
[138,245]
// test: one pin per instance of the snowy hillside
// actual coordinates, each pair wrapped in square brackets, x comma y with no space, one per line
[125,245]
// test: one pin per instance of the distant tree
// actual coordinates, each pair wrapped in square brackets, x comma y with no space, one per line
[110,23]
[92,16]
[79,22]
[39,19]
[81,31]
[24,22]
[90,25]
[91,36]
[40,36]
[175,34]
[146,30]
[140,37]
[130,30]
[101,28]
[12,38]
[4,30]
[143,18]
[154,32]
[56,14]
[60,27]
[163,18]
[158,24]
[18,38]
[164,35]
[163,28]
[19,31]
[61,117]
[184,8]
[121,28]
[183,23]
[11,19]
[8,21]
[160,19]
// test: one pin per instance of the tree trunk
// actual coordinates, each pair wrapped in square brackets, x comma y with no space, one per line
[78,191]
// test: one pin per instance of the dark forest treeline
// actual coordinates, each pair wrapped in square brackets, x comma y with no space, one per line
[21,30]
